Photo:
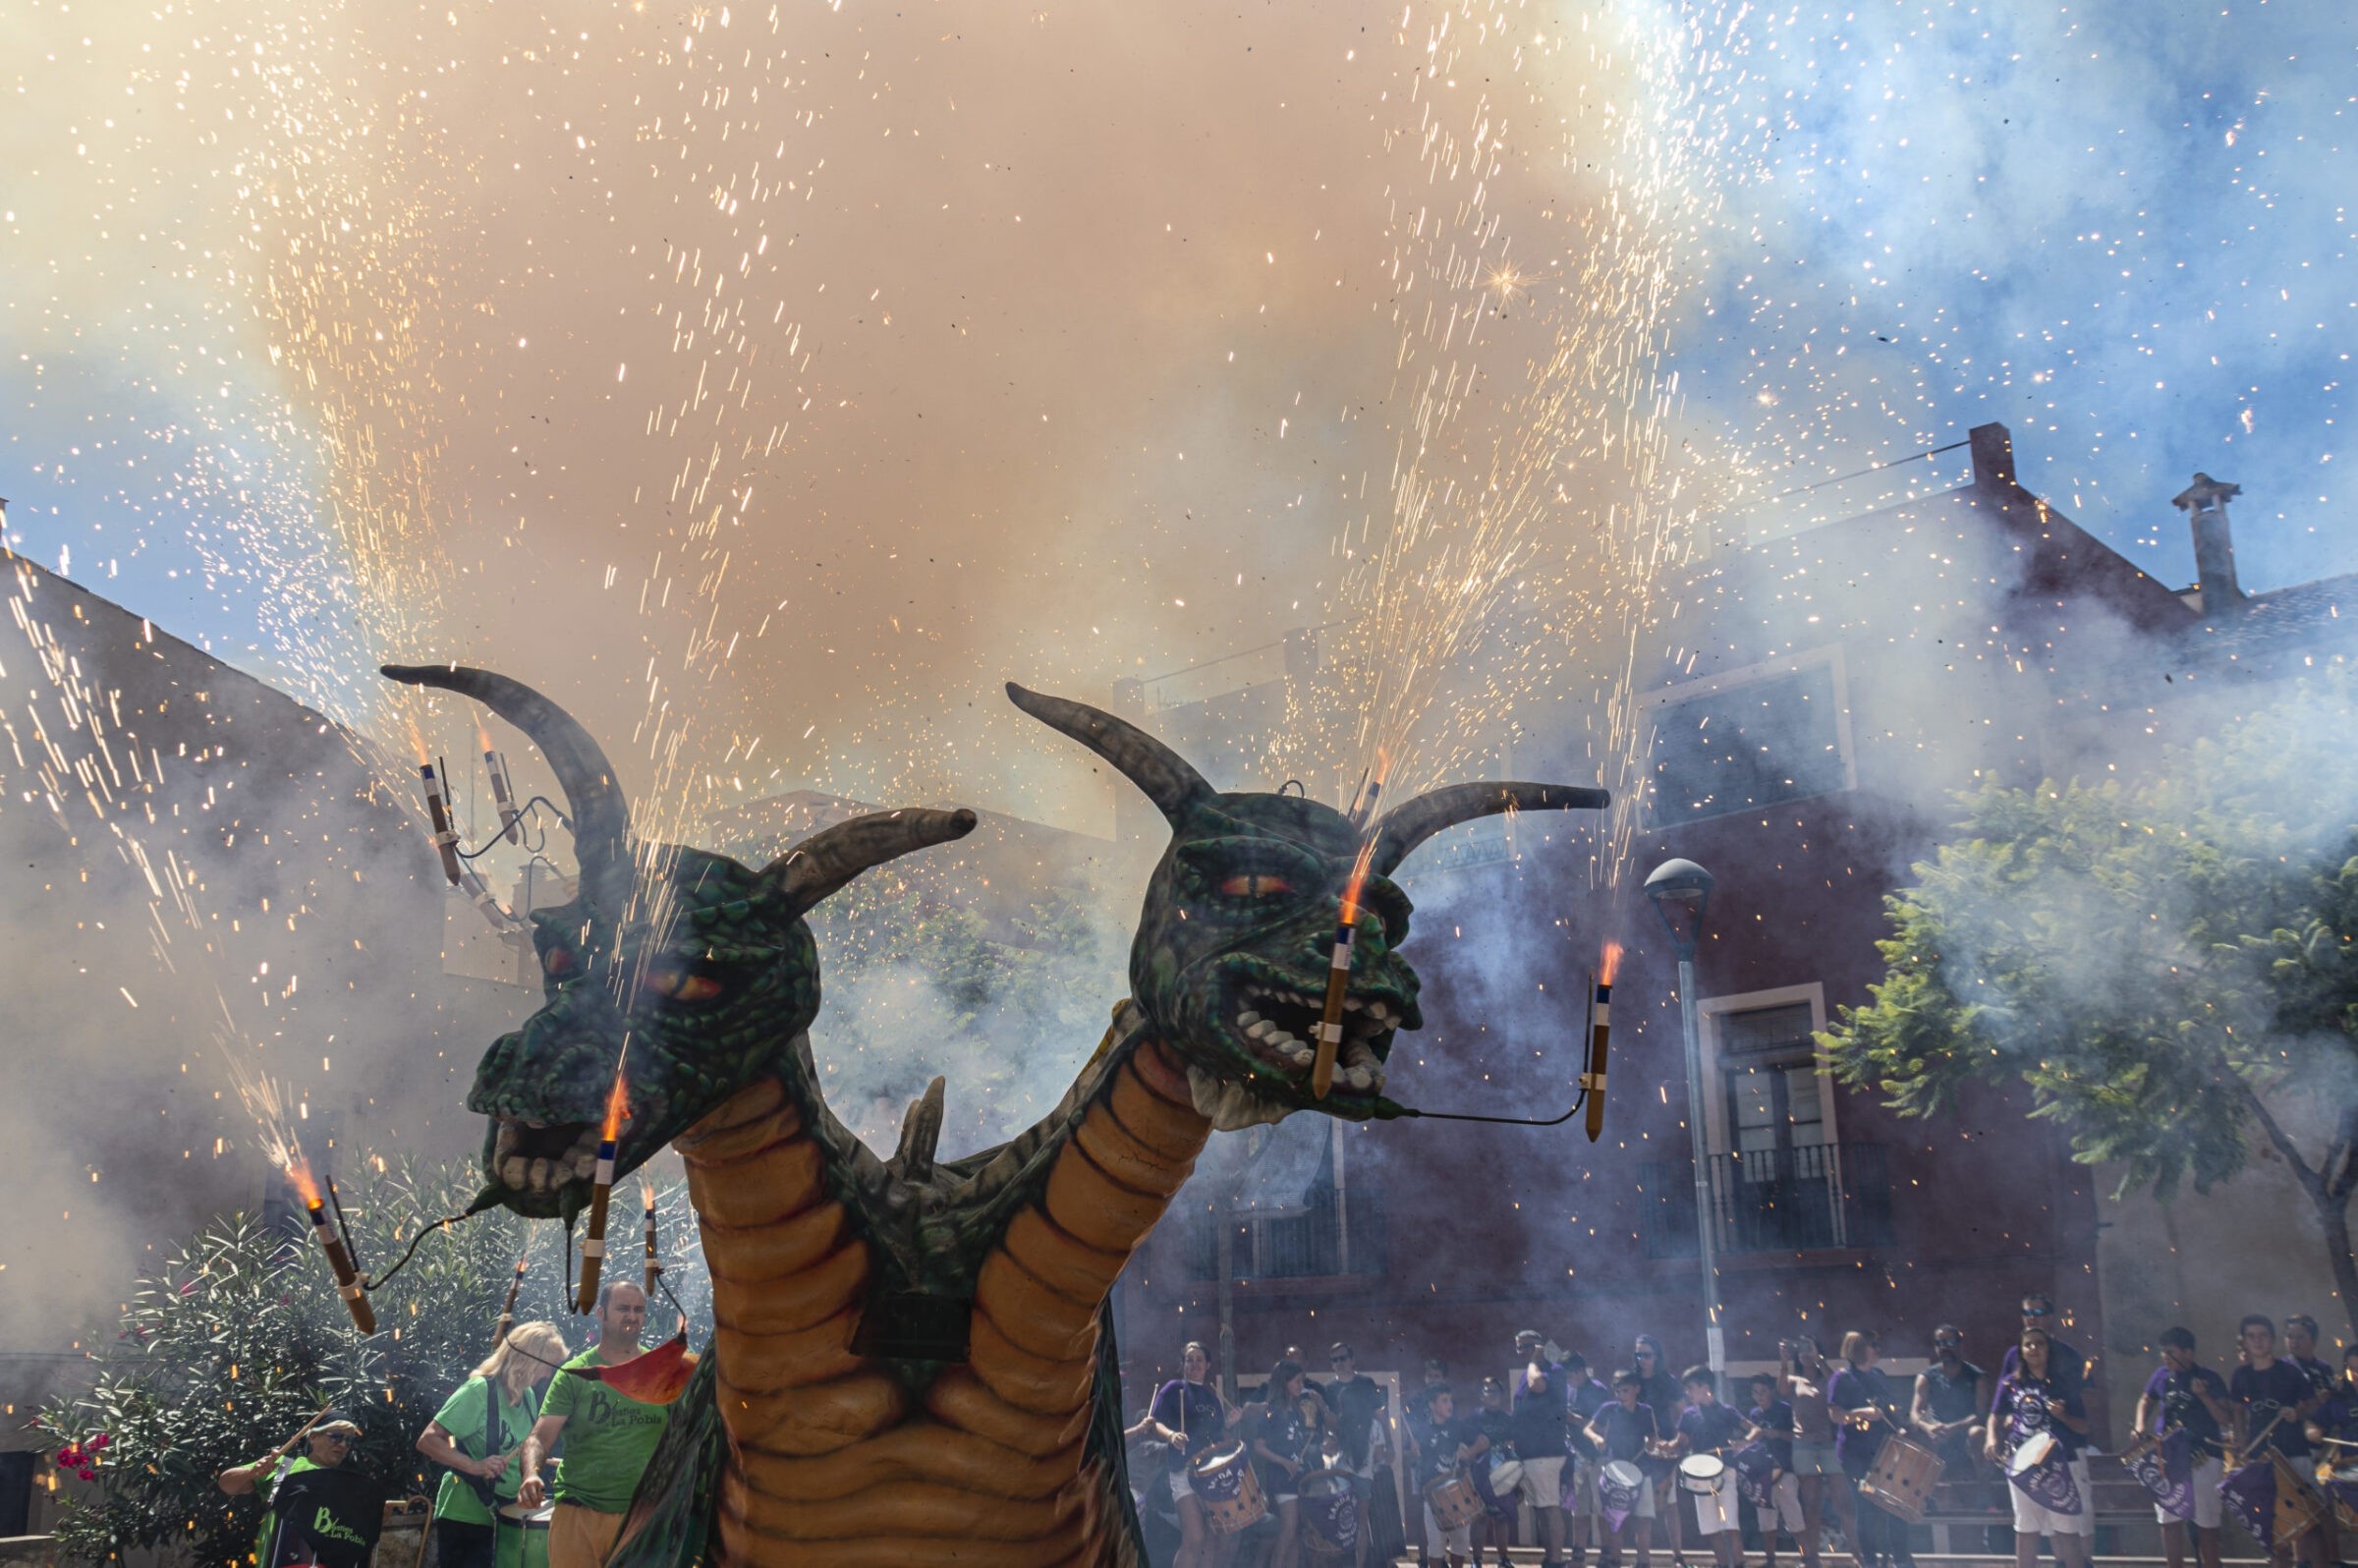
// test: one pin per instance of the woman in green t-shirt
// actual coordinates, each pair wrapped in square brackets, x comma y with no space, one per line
[475,1436]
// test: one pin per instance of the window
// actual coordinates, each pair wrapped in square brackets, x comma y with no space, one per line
[1751,739]
[1768,1066]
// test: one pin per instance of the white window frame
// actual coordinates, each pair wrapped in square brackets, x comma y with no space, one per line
[1709,1010]
[1684,692]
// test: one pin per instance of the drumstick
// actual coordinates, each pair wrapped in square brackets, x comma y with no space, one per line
[283,1449]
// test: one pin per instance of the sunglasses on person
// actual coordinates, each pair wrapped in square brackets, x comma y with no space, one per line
[2028,1310]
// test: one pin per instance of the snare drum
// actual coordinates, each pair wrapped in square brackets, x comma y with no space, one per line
[1904,1476]
[520,1535]
[1702,1473]
[1620,1491]
[1331,1512]
[1454,1502]
[1224,1482]
[2032,1452]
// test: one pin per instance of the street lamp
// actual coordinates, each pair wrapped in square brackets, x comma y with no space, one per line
[1680,891]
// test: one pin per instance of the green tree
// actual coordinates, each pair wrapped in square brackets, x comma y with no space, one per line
[241,1337]
[2170,966]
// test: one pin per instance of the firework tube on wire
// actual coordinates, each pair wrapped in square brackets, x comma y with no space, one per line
[1338,973]
[501,795]
[339,1262]
[507,1308]
[1601,1027]
[654,1261]
[1330,1022]
[601,1195]
[446,837]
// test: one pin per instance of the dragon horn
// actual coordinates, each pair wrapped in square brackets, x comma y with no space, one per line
[601,813]
[833,856]
[1412,822]
[1161,772]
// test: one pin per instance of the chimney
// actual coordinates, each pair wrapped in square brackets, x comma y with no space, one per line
[2205,503]
[1993,457]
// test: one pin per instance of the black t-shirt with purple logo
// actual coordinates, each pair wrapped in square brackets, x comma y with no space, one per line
[2178,1404]
[2274,1395]
[2029,1405]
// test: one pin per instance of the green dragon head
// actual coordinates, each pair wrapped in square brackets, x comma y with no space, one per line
[1241,917]
[693,971]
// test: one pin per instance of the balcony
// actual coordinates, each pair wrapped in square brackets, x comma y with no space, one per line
[1339,1234]
[1809,1198]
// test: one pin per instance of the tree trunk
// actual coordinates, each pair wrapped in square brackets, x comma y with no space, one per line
[2333,1216]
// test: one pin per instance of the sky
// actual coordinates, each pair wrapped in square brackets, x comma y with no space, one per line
[787,377]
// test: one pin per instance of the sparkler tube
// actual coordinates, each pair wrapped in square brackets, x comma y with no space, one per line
[339,1263]
[507,1310]
[594,1245]
[446,838]
[654,1263]
[1592,1082]
[1330,1022]
[501,795]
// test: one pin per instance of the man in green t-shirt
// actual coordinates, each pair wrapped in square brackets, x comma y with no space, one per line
[608,1439]
[331,1436]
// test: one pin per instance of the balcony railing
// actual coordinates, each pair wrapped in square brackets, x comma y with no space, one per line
[1805,1199]
[1340,1233]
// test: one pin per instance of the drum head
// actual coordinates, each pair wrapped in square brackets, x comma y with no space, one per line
[1701,1473]
[529,1518]
[1324,1484]
[2033,1452]
[1623,1473]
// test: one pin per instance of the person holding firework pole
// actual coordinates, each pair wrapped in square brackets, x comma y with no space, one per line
[608,1435]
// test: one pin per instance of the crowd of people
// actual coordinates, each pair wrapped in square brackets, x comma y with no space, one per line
[1616,1460]
[505,1499]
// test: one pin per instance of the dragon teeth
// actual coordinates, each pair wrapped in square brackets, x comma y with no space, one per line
[1359,1077]
[1246,1019]
[1260,1029]
[512,1170]
[1303,1055]
[539,1175]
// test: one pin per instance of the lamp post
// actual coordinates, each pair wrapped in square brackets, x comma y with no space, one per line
[1680,891]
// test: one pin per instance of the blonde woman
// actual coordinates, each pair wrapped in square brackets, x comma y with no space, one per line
[475,1437]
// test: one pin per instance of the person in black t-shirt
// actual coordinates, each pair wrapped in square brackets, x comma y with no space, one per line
[1769,1422]
[1948,1403]
[1626,1431]
[2273,1400]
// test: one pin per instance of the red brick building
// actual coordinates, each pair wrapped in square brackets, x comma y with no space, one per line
[1839,684]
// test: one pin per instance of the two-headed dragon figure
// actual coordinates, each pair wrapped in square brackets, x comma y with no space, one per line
[912,1364]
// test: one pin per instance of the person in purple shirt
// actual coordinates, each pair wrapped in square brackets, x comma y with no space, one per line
[1769,1422]
[1866,1411]
[2184,1396]
[1708,1426]
[2273,1400]
[2035,1404]
[2300,1348]
[1625,1431]
[1191,1415]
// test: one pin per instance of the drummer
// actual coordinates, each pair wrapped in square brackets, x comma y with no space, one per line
[1586,1396]
[1284,1440]
[1948,1403]
[1769,1422]
[2034,1405]
[2272,1398]
[1541,1440]
[1495,1422]
[1708,1426]
[1446,1443]
[1189,1415]
[1860,1397]
[477,1435]
[1625,1431]
[2183,1396]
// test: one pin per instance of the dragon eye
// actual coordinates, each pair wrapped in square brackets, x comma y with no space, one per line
[1255,885]
[677,981]
[557,963]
